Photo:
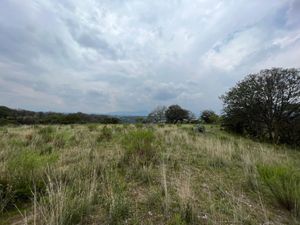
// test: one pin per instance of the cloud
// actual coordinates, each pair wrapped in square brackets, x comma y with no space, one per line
[101,56]
[234,50]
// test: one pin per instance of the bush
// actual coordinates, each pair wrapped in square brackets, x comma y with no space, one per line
[284,184]
[139,147]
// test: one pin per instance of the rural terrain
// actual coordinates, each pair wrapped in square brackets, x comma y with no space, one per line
[144,174]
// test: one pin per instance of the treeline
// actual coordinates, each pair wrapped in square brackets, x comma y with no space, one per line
[19,117]
[265,105]
[177,114]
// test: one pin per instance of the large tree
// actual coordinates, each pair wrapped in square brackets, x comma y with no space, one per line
[265,104]
[175,114]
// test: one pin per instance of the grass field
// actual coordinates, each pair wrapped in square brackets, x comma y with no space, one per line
[143,174]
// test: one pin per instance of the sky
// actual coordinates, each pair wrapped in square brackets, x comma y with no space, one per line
[101,56]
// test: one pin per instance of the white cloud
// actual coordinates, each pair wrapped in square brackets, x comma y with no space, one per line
[101,56]
[229,55]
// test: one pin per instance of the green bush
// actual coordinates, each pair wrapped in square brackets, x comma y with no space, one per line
[284,184]
[139,147]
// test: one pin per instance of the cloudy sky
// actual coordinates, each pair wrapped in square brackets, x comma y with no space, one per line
[100,56]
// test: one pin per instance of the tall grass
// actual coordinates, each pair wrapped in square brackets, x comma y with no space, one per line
[126,174]
[139,147]
[284,184]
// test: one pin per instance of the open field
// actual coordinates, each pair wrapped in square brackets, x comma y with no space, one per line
[144,174]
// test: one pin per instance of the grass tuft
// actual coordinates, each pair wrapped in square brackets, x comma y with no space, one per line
[284,184]
[139,147]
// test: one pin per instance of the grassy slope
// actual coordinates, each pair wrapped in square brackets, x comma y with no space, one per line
[125,174]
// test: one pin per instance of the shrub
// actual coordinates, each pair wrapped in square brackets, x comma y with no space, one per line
[284,184]
[139,147]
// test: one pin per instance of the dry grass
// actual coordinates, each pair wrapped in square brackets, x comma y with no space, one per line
[125,174]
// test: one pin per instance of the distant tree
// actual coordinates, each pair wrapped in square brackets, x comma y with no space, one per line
[157,115]
[209,116]
[175,114]
[265,104]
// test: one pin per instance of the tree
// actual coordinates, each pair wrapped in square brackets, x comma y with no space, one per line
[265,104]
[209,116]
[175,113]
[157,115]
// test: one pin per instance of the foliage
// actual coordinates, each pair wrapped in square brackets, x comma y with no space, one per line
[266,104]
[209,116]
[176,114]
[12,116]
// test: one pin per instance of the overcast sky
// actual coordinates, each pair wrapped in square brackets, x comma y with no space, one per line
[99,56]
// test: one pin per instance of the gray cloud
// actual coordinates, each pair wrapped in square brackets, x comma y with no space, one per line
[102,56]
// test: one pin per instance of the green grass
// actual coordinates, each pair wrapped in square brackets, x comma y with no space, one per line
[144,174]
[284,184]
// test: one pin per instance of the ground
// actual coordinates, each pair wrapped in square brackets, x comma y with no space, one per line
[144,174]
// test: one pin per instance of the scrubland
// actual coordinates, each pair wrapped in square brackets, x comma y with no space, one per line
[144,174]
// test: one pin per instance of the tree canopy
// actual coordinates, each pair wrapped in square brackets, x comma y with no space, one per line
[175,114]
[266,104]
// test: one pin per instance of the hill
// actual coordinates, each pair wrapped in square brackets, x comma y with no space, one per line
[142,174]
[13,116]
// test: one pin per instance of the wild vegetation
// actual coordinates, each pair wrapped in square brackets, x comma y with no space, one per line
[19,117]
[266,105]
[144,174]
[160,170]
